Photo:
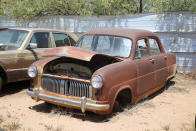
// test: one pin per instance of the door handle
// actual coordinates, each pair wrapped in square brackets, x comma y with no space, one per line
[152,60]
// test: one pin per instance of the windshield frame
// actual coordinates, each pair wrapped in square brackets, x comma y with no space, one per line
[81,38]
[25,37]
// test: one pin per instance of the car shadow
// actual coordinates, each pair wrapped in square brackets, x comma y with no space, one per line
[166,87]
[14,87]
[57,110]
[89,116]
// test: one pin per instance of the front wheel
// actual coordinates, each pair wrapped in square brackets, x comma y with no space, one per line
[1,84]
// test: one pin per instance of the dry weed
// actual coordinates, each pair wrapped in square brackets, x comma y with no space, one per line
[166,127]
[51,128]
[13,126]
[191,75]
[189,127]
[1,119]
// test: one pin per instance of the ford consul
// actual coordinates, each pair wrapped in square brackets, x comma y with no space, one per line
[108,68]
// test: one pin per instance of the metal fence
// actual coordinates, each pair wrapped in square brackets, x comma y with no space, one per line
[176,30]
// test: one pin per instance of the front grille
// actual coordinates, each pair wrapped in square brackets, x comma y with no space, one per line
[66,87]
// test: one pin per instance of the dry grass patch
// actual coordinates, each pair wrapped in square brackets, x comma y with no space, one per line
[8,114]
[189,127]
[166,127]
[13,126]
[191,75]
[51,128]
[1,119]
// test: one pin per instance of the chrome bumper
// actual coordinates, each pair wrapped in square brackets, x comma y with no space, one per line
[83,104]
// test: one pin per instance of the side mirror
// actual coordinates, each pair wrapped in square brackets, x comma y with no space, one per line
[32,46]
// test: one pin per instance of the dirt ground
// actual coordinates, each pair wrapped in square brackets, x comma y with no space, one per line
[173,108]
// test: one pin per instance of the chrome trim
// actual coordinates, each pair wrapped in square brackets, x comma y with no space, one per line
[36,94]
[90,91]
[83,104]
[20,69]
[67,87]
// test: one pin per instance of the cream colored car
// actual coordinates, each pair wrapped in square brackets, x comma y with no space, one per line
[20,47]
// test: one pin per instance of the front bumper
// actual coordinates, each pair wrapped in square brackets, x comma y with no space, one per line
[82,104]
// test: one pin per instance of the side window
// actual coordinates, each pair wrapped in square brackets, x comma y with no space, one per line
[141,49]
[63,40]
[42,39]
[154,48]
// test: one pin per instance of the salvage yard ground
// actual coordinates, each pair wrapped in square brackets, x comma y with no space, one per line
[172,108]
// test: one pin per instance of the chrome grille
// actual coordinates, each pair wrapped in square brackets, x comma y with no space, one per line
[66,87]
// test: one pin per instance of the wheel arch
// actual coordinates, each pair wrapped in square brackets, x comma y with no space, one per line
[3,74]
[123,88]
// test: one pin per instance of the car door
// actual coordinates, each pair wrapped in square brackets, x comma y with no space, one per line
[11,65]
[145,67]
[160,61]
[28,55]
[9,57]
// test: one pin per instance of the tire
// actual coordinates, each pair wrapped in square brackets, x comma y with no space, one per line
[1,84]
[117,107]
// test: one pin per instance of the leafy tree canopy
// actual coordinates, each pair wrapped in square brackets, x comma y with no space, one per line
[28,9]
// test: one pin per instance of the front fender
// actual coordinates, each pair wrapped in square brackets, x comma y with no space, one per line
[116,76]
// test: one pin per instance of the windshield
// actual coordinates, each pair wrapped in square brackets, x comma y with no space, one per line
[109,45]
[12,39]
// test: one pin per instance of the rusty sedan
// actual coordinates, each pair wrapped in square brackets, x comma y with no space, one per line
[110,67]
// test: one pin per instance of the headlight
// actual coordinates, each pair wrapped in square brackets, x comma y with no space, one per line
[32,71]
[96,81]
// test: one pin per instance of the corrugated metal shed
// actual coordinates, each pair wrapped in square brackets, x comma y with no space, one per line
[176,30]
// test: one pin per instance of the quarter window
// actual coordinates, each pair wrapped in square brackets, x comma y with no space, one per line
[63,40]
[154,48]
[141,50]
[42,39]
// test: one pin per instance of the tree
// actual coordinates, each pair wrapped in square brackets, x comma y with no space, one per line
[29,9]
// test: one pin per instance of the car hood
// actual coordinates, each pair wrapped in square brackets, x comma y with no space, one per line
[75,52]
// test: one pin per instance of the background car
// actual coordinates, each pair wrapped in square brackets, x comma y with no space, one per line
[110,67]
[20,47]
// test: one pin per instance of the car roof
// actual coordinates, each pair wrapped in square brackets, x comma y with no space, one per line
[129,33]
[44,29]
[38,29]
